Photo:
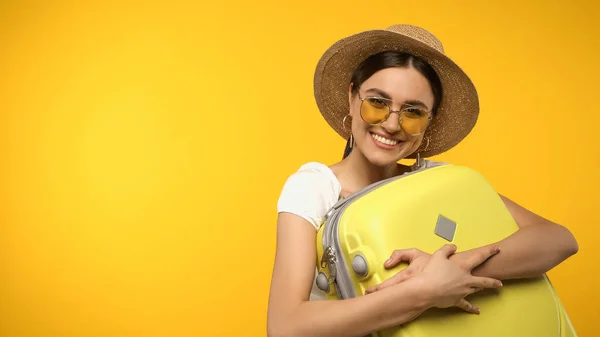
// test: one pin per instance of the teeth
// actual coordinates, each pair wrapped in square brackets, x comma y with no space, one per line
[384,140]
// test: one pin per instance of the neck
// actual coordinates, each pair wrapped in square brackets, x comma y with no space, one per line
[365,173]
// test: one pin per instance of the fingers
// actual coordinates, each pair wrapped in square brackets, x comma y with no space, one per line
[480,256]
[446,250]
[376,288]
[402,255]
[402,276]
[485,283]
[467,306]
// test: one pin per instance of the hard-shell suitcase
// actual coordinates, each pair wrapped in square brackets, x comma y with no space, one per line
[426,209]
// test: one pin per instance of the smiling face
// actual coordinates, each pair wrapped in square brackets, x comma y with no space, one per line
[387,143]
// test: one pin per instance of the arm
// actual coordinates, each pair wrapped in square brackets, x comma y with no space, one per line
[538,246]
[291,314]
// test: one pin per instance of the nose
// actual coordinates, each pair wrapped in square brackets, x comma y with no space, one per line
[392,124]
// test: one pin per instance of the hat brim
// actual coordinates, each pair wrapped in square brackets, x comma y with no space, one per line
[459,107]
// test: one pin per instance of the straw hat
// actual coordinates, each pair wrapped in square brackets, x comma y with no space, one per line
[459,107]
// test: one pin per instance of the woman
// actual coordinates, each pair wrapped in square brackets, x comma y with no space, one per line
[393,94]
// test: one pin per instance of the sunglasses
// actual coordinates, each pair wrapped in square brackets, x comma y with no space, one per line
[376,110]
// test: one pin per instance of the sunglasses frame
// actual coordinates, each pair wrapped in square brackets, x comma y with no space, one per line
[403,107]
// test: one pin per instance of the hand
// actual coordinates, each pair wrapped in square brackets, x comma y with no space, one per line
[416,259]
[465,259]
[449,284]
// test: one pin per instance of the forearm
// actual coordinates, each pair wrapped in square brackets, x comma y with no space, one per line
[530,252]
[355,317]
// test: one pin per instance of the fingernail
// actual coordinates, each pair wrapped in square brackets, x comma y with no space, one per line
[388,261]
[476,309]
[499,284]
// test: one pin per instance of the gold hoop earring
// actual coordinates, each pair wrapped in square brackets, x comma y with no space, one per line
[427,146]
[344,123]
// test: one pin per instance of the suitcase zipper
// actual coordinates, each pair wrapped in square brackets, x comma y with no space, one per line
[336,264]
[328,260]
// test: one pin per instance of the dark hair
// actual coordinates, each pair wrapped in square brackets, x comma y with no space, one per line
[390,59]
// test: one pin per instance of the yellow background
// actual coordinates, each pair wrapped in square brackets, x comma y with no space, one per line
[144,145]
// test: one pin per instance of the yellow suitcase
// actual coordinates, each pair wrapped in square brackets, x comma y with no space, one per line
[426,209]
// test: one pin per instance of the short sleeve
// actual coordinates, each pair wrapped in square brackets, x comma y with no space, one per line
[310,193]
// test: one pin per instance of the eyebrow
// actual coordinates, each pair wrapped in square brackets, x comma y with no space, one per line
[380,93]
[384,94]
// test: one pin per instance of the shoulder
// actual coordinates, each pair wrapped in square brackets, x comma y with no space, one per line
[313,176]
[310,192]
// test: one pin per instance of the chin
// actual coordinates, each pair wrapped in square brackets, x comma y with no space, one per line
[381,162]
[384,156]
[382,159]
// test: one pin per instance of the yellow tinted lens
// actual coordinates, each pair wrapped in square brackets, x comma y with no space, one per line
[374,110]
[414,121]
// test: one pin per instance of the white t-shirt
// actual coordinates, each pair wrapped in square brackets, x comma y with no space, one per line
[310,193]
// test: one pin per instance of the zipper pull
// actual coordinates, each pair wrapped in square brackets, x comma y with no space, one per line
[329,260]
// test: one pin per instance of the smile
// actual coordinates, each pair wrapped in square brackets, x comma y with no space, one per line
[386,141]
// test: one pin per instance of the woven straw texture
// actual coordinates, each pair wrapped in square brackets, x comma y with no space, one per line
[459,107]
